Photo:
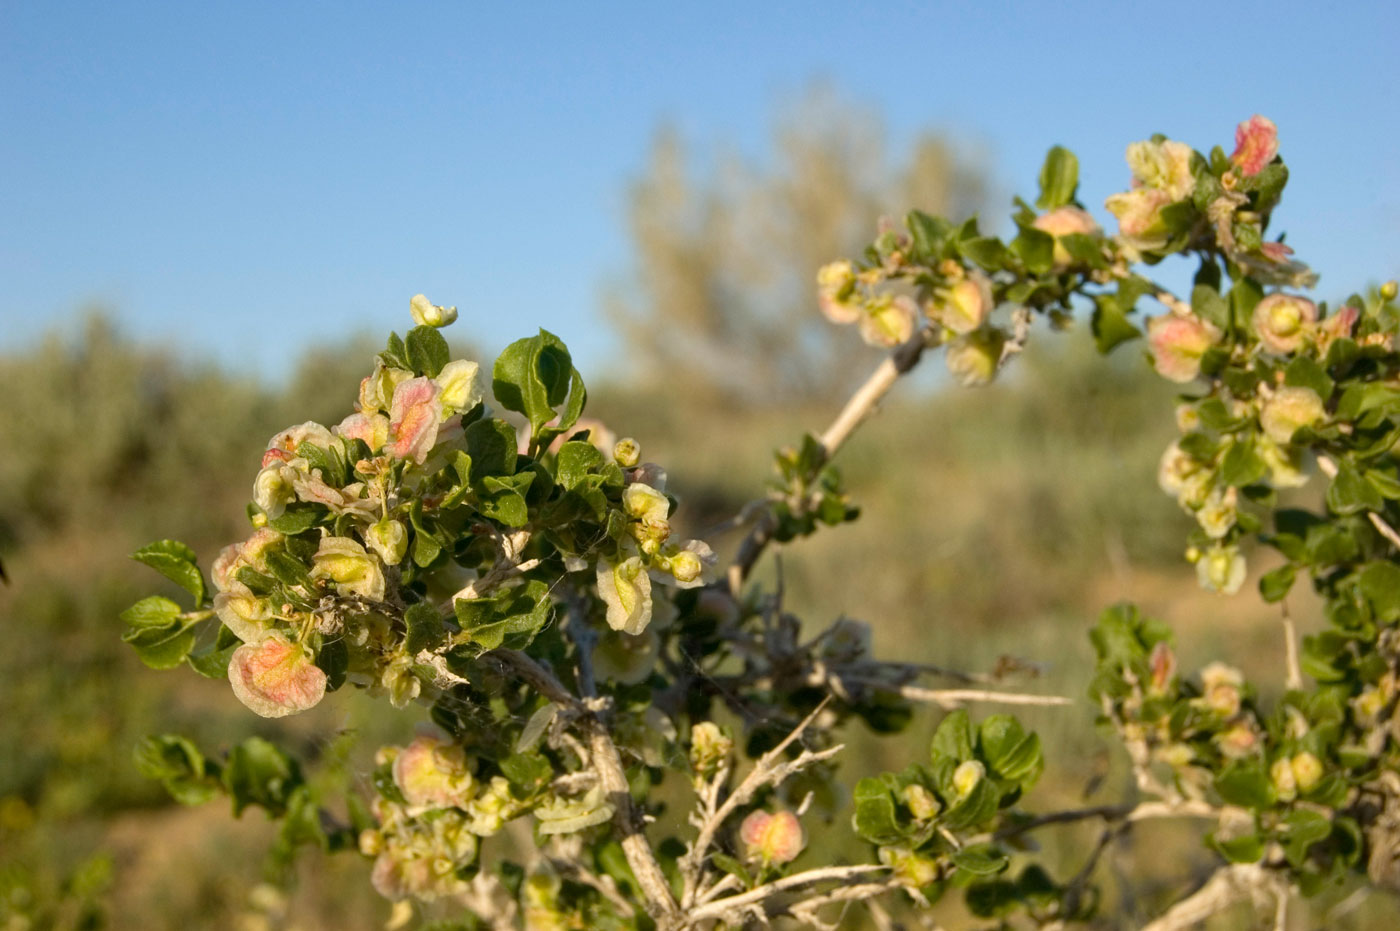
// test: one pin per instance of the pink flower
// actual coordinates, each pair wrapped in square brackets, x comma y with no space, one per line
[433,773]
[372,428]
[275,677]
[283,446]
[776,838]
[1177,343]
[1064,221]
[413,419]
[1337,326]
[1256,144]
[1283,321]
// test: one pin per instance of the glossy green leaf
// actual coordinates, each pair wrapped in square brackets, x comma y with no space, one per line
[175,561]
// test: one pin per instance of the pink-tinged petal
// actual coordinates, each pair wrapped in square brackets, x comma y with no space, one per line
[1256,144]
[413,419]
[283,445]
[433,773]
[275,677]
[1177,342]
[776,838]
[373,429]
[1163,664]
[1283,322]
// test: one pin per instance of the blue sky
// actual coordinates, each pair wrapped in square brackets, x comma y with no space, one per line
[247,178]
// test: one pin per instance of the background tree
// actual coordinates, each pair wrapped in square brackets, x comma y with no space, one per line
[719,299]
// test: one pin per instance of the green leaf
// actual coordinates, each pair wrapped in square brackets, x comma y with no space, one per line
[297,518]
[929,234]
[1275,584]
[1349,493]
[874,817]
[953,739]
[576,459]
[1207,304]
[1246,849]
[1059,178]
[153,612]
[1036,249]
[977,808]
[333,658]
[178,765]
[1009,751]
[987,251]
[176,562]
[527,772]
[1303,372]
[492,447]
[1110,323]
[979,861]
[426,350]
[733,867]
[533,376]
[425,628]
[1242,465]
[1303,828]
[260,773]
[1380,583]
[212,662]
[1247,784]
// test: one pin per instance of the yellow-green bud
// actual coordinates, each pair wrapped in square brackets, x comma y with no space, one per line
[1389,290]
[389,539]
[709,746]
[1307,770]
[627,452]
[966,777]
[920,801]
[1285,784]
[426,313]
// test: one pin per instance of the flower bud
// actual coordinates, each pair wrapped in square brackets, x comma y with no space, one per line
[920,801]
[1389,290]
[966,777]
[1282,322]
[370,842]
[709,747]
[1178,341]
[1285,784]
[645,503]
[774,839]
[389,540]
[426,313]
[627,452]
[1220,688]
[1256,144]
[275,677]
[911,869]
[973,359]
[1289,410]
[1221,569]
[965,306]
[836,283]
[1163,665]
[1307,770]
[354,571]
[1239,740]
[1064,221]
[888,320]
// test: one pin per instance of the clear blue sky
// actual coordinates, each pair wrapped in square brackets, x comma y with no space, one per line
[245,178]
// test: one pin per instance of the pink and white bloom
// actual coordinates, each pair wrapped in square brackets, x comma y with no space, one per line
[1283,322]
[283,445]
[775,839]
[836,284]
[372,428]
[1256,144]
[433,773]
[1178,341]
[242,612]
[458,384]
[413,419]
[275,677]
[1139,214]
[1165,166]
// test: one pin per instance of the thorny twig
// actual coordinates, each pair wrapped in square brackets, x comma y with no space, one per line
[770,769]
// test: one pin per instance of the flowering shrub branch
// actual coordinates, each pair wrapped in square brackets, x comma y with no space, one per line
[517,574]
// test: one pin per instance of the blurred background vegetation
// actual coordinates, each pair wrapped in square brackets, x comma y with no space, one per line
[997,523]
